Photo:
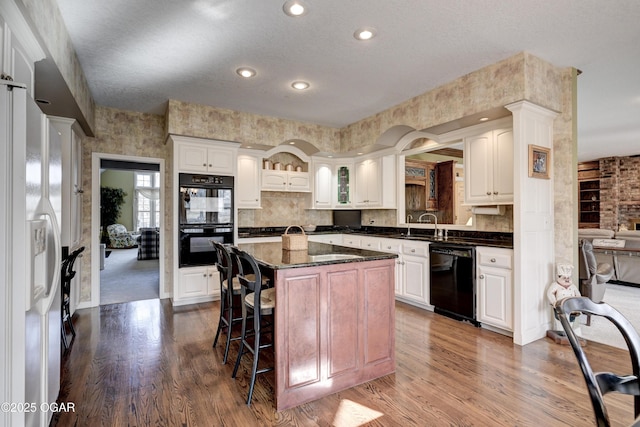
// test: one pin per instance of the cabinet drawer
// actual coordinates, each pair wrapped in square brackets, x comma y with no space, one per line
[418,250]
[390,245]
[370,243]
[499,259]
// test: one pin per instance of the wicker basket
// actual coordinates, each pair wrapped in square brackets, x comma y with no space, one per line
[295,257]
[294,242]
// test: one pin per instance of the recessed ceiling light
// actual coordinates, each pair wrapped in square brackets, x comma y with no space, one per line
[300,85]
[246,72]
[484,119]
[365,33]
[294,8]
[292,143]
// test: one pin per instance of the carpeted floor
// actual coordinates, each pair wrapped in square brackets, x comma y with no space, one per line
[626,300]
[125,278]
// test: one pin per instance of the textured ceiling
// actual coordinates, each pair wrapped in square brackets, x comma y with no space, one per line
[136,54]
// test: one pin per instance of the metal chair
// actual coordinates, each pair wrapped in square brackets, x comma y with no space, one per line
[68,273]
[601,383]
[257,315]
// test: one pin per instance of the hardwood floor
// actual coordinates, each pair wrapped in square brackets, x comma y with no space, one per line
[147,363]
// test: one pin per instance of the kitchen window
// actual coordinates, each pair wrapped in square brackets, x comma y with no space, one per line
[147,199]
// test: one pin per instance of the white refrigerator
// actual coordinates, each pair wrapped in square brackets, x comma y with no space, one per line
[32,156]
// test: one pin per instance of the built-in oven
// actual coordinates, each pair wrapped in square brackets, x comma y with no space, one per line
[205,213]
[452,280]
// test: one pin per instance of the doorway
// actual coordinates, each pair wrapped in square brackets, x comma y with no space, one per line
[128,270]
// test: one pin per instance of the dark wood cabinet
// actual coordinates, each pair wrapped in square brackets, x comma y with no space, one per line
[589,194]
[421,191]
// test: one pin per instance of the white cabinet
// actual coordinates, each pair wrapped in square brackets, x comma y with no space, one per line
[205,156]
[495,287]
[330,239]
[322,186]
[370,243]
[248,182]
[197,284]
[71,221]
[351,240]
[375,182]
[278,180]
[489,168]
[414,265]
[368,183]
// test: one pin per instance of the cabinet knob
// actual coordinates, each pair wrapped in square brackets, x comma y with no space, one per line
[204,164]
[204,275]
[388,247]
[493,260]
[210,274]
[413,250]
[488,193]
[495,192]
[482,276]
[210,165]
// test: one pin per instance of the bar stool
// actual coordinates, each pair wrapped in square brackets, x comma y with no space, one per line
[258,308]
[227,316]
[230,313]
[68,273]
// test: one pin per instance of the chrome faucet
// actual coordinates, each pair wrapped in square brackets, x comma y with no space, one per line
[409,218]
[435,219]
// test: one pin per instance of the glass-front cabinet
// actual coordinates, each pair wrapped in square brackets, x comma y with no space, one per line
[343,184]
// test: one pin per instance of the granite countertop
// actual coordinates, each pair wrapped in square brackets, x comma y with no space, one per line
[456,237]
[271,255]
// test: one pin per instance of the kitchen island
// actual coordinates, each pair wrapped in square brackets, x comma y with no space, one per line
[334,318]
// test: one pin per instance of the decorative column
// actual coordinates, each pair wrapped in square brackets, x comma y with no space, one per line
[533,235]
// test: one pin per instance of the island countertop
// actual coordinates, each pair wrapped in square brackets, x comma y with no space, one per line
[271,255]
[334,317]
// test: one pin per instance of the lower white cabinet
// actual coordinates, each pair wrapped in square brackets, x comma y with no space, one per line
[330,239]
[414,266]
[494,280]
[197,284]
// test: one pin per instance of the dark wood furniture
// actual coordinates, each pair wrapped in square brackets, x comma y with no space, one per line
[258,306]
[68,273]
[334,320]
[589,194]
[230,313]
[601,383]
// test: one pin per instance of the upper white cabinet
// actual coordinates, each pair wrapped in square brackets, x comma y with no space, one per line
[279,180]
[205,156]
[495,287]
[489,168]
[248,183]
[375,182]
[323,186]
[71,223]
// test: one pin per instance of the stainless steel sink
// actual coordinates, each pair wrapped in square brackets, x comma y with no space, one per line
[332,257]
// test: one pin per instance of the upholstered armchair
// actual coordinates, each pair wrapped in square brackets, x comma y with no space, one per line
[149,243]
[119,237]
[592,274]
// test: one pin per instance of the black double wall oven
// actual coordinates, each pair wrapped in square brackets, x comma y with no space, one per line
[205,211]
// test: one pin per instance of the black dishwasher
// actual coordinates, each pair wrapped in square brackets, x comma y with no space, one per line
[452,272]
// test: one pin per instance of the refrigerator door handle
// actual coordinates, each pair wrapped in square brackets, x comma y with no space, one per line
[44,304]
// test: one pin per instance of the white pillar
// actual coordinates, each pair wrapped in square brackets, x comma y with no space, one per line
[533,207]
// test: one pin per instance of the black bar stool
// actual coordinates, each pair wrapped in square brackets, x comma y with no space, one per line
[258,308]
[229,309]
[68,273]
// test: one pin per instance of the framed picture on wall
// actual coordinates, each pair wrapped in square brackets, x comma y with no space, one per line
[539,161]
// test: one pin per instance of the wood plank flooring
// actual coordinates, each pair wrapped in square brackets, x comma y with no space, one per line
[146,363]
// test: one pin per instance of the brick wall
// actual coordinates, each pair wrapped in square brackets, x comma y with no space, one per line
[619,191]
